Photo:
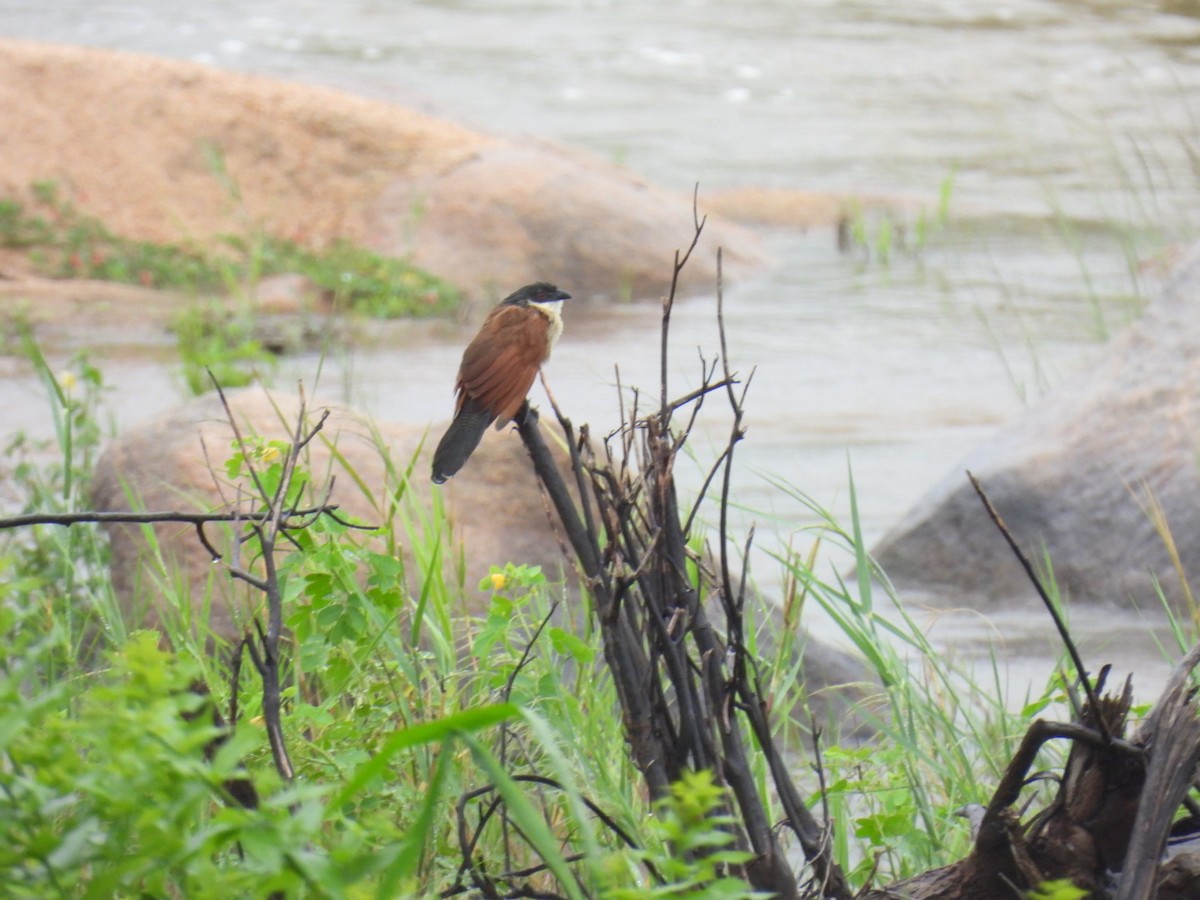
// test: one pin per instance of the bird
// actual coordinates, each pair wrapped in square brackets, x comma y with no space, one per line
[498,368]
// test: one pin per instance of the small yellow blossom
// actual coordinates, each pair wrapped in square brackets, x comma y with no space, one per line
[67,380]
[499,580]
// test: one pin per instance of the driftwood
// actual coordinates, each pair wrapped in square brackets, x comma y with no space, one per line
[1105,829]
[1171,736]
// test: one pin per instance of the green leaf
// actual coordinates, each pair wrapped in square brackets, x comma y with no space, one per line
[569,644]
[427,732]
[1059,889]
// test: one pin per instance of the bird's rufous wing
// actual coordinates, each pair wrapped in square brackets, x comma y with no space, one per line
[499,366]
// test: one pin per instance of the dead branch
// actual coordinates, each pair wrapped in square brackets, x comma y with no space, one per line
[626,659]
[1172,733]
[186,518]
[1059,624]
[684,682]
[264,652]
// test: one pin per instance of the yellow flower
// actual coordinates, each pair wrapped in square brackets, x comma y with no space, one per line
[499,580]
[67,380]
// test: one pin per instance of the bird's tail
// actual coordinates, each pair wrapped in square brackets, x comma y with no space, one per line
[459,441]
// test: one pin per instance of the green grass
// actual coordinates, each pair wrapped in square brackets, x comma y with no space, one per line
[944,734]
[217,326]
[882,232]
[212,339]
[65,243]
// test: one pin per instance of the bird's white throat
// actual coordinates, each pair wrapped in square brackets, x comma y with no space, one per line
[553,312]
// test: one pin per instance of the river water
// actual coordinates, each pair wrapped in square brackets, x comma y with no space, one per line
[1068,131]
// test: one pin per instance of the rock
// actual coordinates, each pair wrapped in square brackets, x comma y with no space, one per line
[54,306]
[1077,477]
[204,152]
[786,208]
[175,462]
[547,213]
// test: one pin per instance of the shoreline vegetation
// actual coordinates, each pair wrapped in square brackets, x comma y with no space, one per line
[210,294]
[365,737]
[56,240]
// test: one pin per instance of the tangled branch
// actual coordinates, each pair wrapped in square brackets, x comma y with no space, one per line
[689,695]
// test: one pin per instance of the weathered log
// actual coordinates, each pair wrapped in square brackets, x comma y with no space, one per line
[1172,734]
[1107,826]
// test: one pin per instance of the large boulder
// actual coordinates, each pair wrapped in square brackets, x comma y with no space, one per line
[175,461]
[162,149]
[1079,478]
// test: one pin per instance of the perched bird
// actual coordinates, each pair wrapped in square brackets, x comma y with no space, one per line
[498,368]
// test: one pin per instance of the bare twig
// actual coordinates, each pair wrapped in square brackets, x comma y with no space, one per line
[154,517]
[1059,624]
[268,529]
[468,840]
[681,261]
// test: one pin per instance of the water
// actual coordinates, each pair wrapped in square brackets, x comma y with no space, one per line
[1066,128]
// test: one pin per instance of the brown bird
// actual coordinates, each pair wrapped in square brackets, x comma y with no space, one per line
[498,368]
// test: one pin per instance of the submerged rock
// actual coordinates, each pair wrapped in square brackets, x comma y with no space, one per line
[1083,479]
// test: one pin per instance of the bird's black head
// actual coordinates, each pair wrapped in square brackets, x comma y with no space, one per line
[538,292]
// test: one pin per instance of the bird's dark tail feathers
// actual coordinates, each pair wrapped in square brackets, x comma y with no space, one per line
[459,441]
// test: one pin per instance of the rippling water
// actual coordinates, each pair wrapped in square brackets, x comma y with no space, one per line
[1068,130]
[1027,99]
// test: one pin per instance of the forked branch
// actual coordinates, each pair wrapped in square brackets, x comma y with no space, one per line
[688,697]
